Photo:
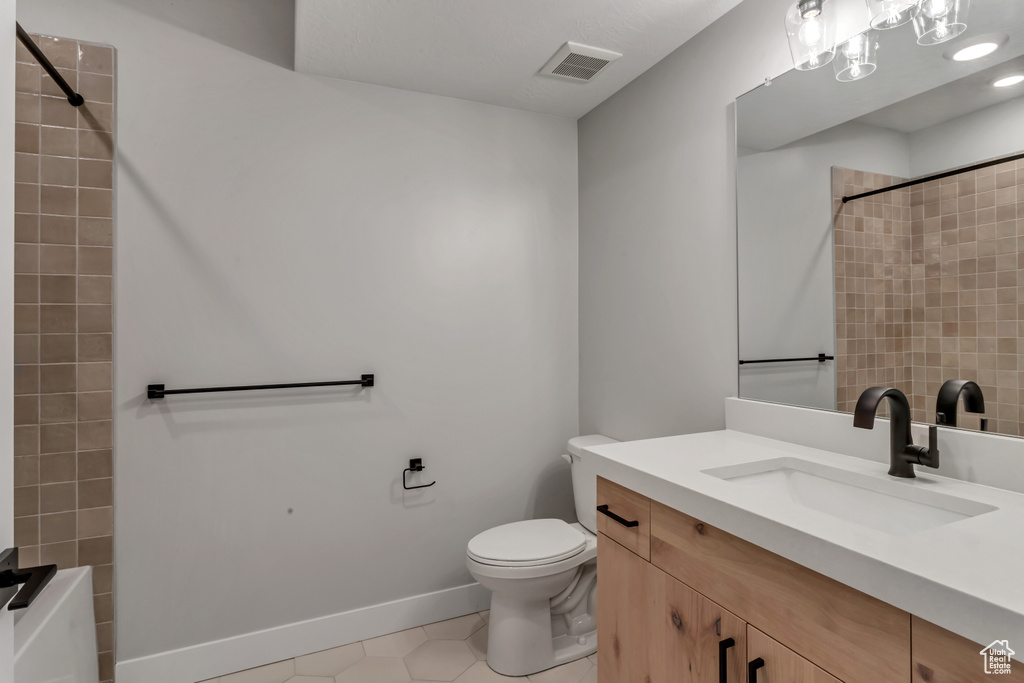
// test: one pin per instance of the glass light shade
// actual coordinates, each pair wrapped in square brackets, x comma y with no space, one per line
[812,40]
[855,59]
[886,14]
[940,20]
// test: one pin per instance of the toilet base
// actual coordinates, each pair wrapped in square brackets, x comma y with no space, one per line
[520,640]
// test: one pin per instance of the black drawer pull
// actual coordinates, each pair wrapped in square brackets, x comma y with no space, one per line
[603,509]
[723,668]
[752,668]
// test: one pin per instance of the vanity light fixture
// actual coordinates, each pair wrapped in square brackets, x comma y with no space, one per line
[940,20]
[1008,81]
[855,59]
[811,27]
[886,14]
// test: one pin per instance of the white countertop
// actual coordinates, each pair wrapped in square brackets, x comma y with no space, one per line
[966,576]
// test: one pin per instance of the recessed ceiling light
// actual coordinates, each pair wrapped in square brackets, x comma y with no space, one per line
[976,51]
[1009,80]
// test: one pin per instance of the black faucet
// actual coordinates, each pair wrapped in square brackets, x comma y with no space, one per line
[949,395]
[903,454]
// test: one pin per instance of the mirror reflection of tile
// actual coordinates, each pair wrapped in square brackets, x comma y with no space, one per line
[927,283]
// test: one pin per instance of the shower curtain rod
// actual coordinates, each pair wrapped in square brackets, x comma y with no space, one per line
[937,176]
[74,98]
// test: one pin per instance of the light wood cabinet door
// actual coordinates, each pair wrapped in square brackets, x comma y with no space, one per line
[850,634]
[779,664]
[941,656]
[622,621]
[692,637]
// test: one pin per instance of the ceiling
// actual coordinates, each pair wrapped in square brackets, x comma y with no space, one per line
[490,50]
[913,88]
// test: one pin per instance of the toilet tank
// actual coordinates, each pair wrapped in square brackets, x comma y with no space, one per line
[584,478]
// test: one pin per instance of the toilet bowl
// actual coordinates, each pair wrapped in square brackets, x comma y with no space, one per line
[542,574]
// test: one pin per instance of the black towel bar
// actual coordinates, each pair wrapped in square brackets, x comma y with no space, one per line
[156,391]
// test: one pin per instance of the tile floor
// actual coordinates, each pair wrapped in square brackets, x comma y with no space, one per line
[453,650]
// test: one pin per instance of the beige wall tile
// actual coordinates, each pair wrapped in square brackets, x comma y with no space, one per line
[58,200]
[57,498]
[57,259]
[95,59]
[95,376]
[26,319]
[95,493]
[96,522]
[64,555]
[26,258]
[96,87]
[55,468]
[26,138]
[57,318]
[57,348]
[61,142]
[95,406]
[95,289]
[103,604]
[26,410]
[57,170]
[94,145]
[58,527]
[26,501]
[26,379]
[57,438]
[27,78]
[26,348]
[95,260]
[26,289]
[26,531]
[95,465]
[95,318]
[26,227]
[26,169]
[26,470]
[94,435]
[26,440]
[102,579]
[95,232]
[57,289]
[26,198]
[104,634]
[28,556]
[57,229]
[95,173]
[62,52]
[57,111]
[95,203]
[94,347]
[96,551]
[47,86]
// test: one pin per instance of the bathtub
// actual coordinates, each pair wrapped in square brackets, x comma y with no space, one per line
[55,638]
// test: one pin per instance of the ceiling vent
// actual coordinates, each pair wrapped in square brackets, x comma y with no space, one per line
[575,62]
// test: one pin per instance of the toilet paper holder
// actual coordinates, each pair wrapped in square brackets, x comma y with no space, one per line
[415,465]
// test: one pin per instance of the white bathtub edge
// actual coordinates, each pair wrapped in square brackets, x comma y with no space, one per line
[221,657]
[54,595]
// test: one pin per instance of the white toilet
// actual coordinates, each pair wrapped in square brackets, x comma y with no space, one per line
[543,577]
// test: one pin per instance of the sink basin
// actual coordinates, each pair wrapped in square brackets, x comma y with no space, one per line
[894,507]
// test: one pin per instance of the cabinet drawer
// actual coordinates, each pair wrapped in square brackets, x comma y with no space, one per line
[627,517]
[779,664]
[941,656]
[852,636]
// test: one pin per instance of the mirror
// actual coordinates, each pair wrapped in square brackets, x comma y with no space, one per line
[906,288]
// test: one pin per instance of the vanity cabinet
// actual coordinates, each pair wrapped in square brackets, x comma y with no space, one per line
[663,616]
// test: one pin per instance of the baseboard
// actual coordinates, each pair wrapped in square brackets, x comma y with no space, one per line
[220,657]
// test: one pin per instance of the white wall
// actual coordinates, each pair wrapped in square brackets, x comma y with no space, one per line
[7,44]
[658,344]
[786,254]
[993,132]
[276,227]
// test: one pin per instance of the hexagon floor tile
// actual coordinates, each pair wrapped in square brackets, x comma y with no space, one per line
[448,651]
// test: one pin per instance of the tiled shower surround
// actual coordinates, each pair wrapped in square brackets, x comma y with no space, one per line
[928,281]
[63,263]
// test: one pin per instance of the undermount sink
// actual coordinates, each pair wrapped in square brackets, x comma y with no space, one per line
[893,507]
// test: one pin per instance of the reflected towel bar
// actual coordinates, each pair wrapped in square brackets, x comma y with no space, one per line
[937,176]
[155,391]
[821,358]
[74,98]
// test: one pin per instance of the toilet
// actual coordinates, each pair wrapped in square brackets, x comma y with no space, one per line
[542,574]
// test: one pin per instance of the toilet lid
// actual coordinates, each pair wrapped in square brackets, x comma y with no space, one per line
[529,543]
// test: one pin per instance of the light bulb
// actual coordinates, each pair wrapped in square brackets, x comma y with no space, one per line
[854,47]
[1009,81]
[811,32]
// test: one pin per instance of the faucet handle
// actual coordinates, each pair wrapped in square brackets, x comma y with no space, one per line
[931,457]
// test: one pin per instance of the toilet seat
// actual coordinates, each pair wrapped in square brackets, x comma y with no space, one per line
[530,543]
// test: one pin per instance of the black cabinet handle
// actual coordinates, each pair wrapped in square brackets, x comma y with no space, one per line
[723,668]
[603,509]
[752,668]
